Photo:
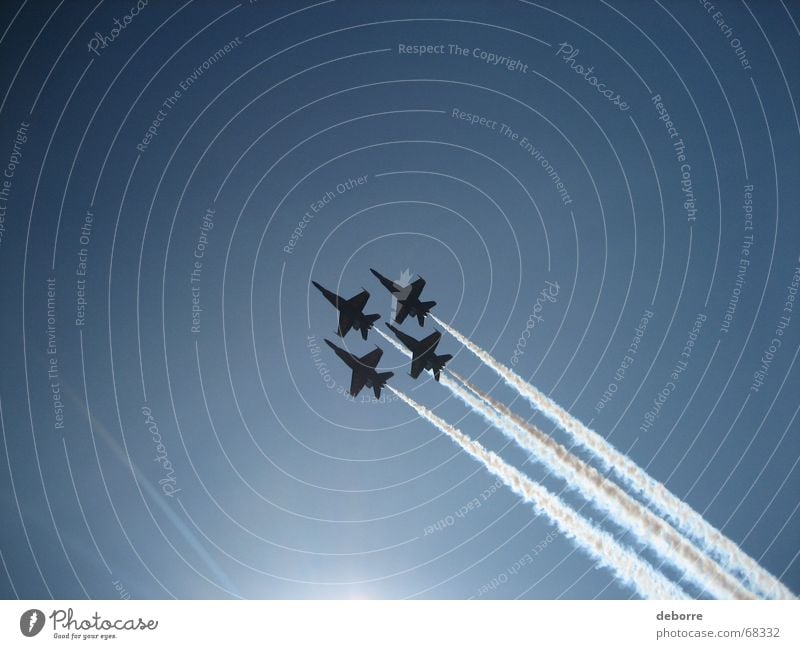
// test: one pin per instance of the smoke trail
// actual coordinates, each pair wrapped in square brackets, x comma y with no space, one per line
[730,555]
[607,495]
[626,565]
[649,528]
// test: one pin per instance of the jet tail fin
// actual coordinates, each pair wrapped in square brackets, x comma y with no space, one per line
[382,378]
[441,361]
[370,321]
[423,311]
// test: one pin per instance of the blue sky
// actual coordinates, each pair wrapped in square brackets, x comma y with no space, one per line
[211,453]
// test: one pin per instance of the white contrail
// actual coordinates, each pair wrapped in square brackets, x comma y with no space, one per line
[648,527]
[730,555]
[625,564]
[607,495]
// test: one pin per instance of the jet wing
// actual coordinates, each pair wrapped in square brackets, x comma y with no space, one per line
[410,342]
[371,359]
[347,357]
[401,314]
[329,295]
[344,324]
[389,284]
[416,288]
[358,302]
[429,344]
[358,381]
[417,365]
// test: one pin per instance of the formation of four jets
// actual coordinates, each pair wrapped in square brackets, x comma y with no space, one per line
[351,316]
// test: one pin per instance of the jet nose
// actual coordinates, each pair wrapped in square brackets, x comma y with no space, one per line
[376,273]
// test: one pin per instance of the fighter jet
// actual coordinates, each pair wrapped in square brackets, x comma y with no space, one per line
[424,352]
[364,372]
[408,299]
[351,312]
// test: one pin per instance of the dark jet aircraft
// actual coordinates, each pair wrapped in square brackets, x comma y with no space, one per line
[408,299]
[351,312]
[364,372]
[423,351]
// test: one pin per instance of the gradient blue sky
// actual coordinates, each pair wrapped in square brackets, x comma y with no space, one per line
[287,488]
